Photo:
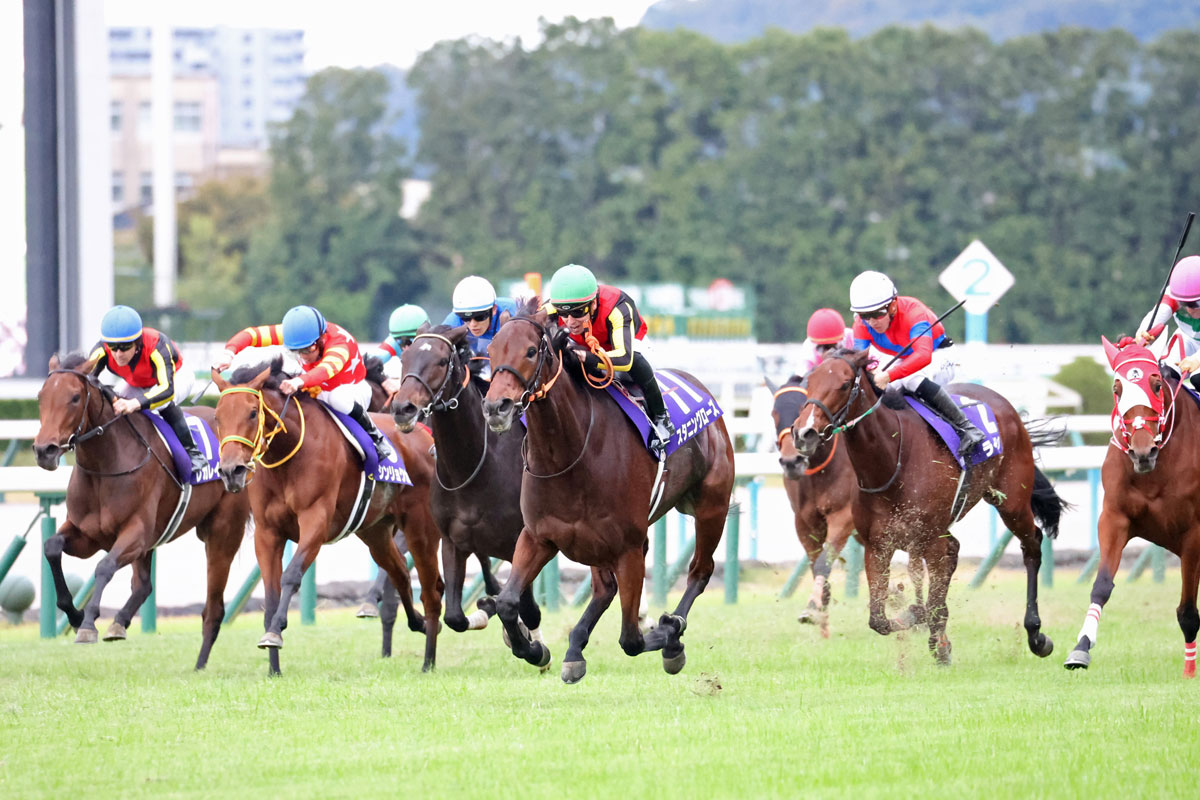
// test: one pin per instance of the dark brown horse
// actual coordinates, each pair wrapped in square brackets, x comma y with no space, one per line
[307,490]
[908,480]
[587,491]
[1149,488]
[476,494]
[122,493]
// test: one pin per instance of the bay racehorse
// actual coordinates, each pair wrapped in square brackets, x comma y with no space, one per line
[122,493]
[908,480]
[476,493]
[1149,488]
[306,492]
[587,491]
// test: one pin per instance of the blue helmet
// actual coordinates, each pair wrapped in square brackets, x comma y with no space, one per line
[120,324]
[302,327]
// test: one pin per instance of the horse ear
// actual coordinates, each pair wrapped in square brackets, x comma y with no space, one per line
[425,327]
[504,317]
[88,367]
[1159,347]
[770,385]
[219,381]
[260,379]
[54,362]
[457,335]
[1110,350]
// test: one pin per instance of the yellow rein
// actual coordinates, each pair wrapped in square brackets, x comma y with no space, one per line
[261,443]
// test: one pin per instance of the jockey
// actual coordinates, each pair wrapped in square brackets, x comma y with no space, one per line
[329,356]
[826,331]
[150,362]
[475,305]
[891,323]
[604,318]
[1182,301]
[402,327]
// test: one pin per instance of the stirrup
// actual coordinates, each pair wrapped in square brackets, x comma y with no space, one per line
[383,448]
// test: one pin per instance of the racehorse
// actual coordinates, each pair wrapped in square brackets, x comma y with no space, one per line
[908,481]
[1149,488]
[587,491]
[307,491]
[476,495]
[122,493]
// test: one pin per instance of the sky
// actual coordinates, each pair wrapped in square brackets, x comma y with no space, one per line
[357,33]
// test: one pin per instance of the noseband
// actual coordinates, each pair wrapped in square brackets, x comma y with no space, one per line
[534,388]
[436,403]
[837,423]
[79,436]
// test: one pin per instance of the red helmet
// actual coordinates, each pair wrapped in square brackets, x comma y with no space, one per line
[826,326]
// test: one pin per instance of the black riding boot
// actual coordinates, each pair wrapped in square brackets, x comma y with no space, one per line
[656,408]
[382,446]
[173,414]
[936,397]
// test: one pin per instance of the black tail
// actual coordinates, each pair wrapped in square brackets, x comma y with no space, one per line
[1046,504]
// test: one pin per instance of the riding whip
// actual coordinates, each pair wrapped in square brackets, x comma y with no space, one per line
[953,308]
[1187,226]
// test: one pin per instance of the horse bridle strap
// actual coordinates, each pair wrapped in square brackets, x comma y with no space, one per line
[532,394]
[435,401]
[262,441]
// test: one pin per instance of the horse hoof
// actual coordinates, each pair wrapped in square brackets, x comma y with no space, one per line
[807,617]
[85,636]
[367,611]
[941,652]
[115,633]
[1079,659]
[672,666]
[905,621]
[1046,648]
[487,604]
[573,671]
[679,622]
[270,640]
[543,662]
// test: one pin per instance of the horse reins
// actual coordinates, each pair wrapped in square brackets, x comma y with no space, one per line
[262,439]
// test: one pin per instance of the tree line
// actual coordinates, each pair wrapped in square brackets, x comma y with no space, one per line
[788,164]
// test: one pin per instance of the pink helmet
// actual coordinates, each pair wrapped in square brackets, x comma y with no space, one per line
[1185,279]
[826,326]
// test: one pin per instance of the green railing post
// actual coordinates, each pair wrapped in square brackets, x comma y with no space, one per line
[1047,568]
[80,600]
[1139,566]
[853,553]
[732,531]
[10,555]
[149,610]
[308,595]
[551,585]
[794,579]
[1158,562]
[472,592]
[583,592]
[49,597]
[1089,568]
[243,594]
[660,562]
[989,562]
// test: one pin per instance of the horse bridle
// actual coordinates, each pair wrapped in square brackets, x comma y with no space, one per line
[436,403]
[262,437]
[534,388]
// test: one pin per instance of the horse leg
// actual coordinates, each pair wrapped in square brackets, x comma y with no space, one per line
[916,570]
[454,566]
[72,540]
[665,636]
[710,526]
[370,607]
[531,613]
[221,543]
[813,540]
[389,604]
[1113,532]
[1189,620]
[123,552]
[942,559]
[491,586]
[396,588]
[268,551]
[528,559]
[142,587]
[604,589]
[877,564]
[424,538]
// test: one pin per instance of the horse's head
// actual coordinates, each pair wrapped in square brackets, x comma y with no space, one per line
[1141,410]
[240,414]
[65,407]
[524,366]
[435,373]
[789,399]
[833,388]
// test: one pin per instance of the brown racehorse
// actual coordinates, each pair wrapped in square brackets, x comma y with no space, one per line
[307,489]
[586,491]
[476,495]
[1149,488]
[907,484]
[122,493]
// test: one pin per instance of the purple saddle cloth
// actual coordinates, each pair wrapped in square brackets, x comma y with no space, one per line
[205,440]
[390,471]
[691,409]
[979,413]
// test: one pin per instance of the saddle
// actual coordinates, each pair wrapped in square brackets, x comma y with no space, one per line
[390,471]
[979,413]
[205,439]
[691,409]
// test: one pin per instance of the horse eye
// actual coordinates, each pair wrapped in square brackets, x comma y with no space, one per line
[846,386]
[531,352]
[444,362]
[254,414]
[75,399]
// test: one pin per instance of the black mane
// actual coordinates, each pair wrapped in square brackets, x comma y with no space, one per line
[249,372]
[374,366]
[72,360]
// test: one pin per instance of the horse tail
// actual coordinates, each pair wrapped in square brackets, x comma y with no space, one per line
[1046,504]
[1046,432]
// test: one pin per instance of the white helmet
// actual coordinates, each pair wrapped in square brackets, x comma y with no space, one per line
[472,294]
[871,291]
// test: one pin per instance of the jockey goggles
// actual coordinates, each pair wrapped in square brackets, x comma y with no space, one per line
[478,316]
[1189,304]
[576,312]
[121,347]
[876,314]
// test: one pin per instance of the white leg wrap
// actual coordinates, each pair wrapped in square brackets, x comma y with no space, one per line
[536,635]
[477,620]
[1091,623]
[818,590]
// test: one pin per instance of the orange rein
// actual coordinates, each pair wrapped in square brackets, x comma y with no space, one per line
[594,345]
[262,442]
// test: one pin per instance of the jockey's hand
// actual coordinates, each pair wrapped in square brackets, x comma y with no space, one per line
[222,362]
[1190,365]
[391,385]
[125,405]
[291,385]
[880,379]
[1144,337]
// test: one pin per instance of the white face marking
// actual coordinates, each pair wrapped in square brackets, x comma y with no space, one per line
[426,346]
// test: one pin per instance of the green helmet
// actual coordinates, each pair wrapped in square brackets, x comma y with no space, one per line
[573,284]
[406,319]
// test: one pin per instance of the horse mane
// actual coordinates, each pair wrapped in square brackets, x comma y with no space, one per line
[374,367]
[249,372]
[72,360]
[529,308]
